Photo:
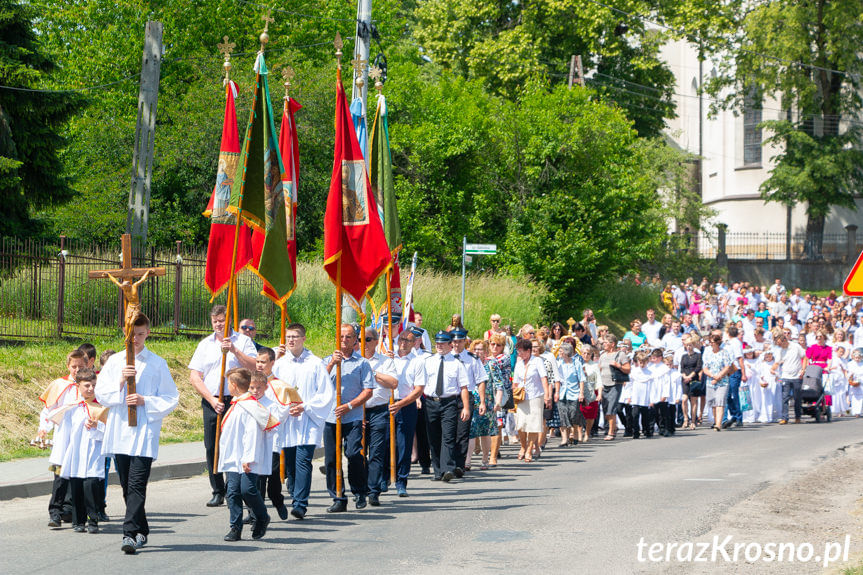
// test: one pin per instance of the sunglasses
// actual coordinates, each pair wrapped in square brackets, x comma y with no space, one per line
[368,339]
[248,328]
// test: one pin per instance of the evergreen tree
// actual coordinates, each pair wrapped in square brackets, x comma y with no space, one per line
[30,125]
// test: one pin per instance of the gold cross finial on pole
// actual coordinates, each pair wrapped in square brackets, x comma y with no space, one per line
[358,65]
[375,74]
[339,45]
[265,37]
[288,75]
[226,48]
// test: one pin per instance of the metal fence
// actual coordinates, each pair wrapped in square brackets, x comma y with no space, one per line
[45,292]
[769,246]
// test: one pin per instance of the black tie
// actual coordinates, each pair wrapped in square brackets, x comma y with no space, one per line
[438,390]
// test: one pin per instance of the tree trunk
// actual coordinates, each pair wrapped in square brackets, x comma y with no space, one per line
[814,236]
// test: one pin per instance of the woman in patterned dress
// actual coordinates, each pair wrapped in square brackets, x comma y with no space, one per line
[499,370]
[483,427]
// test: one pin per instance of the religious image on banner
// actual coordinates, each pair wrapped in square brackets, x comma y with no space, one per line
[224,182]
[274,194]
[354,209]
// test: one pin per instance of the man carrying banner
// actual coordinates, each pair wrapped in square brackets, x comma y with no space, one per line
[357,382]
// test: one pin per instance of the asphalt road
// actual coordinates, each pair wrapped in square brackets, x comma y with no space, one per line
[578,509]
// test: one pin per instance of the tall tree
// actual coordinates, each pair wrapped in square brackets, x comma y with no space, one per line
[505,43]
[31,176]
[805,55]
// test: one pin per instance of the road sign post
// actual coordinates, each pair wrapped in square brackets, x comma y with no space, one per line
[472,249]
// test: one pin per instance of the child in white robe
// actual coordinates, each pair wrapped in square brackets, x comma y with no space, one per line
[838,382]
[78,451]
[59,392]
[769,389]
[245,453]
[675,383]
[639,397]
[753,384]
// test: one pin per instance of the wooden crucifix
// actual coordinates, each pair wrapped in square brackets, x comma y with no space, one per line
[123,278]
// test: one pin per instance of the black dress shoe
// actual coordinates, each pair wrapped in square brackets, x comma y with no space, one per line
[459,472]
[361,501]
[260,528]
[338,506]
[447,476]
[217,500]
[374,500]
[102,516]
[233,535]
[282,511]
[298,513]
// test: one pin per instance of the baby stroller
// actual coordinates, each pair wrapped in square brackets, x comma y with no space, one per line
[812,395]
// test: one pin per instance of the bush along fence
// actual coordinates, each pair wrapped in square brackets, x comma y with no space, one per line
[45,292]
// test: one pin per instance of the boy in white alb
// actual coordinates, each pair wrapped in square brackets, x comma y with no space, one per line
[675,384]
[753,384]
[135,448]
[58,393]
[855,382]
[245,453]
[78,451]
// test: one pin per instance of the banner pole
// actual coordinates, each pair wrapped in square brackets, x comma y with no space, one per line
[393,392]
[340,480]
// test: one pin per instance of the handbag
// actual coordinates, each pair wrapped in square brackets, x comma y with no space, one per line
[518,394]
[506,401]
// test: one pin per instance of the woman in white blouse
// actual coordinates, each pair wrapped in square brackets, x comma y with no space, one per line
[531,375]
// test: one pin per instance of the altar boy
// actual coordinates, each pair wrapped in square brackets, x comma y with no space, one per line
[245,453]
[78,451]
[135,448]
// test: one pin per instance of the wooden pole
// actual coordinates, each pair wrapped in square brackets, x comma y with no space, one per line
[340,480]
[393,392]
[231,295]
[282,342]
[363,353]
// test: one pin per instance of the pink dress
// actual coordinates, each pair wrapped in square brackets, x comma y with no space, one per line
[820,355]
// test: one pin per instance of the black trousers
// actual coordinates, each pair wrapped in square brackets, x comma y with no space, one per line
[625,412]
[134,473]
[217,480]
[377,447]
[422,434]
[57,504]
[442,418]
[462,435]
[352,436]
[667,413]
[85,499]
[643,413]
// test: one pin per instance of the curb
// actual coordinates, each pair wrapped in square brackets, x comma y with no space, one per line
[174,470]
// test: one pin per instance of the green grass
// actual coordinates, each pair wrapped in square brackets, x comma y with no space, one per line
[618,303]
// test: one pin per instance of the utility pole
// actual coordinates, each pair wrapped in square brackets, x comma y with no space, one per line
[142,159]
[576,72]
[363,40]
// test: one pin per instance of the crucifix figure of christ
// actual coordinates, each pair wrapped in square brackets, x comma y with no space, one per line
[123,278]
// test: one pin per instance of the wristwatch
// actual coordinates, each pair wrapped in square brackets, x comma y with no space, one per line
[350,407]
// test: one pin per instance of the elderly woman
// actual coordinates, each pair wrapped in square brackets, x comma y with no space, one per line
[551,419]
[498,367]
[483,426]
[717,364]
[614,367]
[531,376]
[567,395]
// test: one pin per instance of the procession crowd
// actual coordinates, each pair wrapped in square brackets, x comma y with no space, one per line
[720,355]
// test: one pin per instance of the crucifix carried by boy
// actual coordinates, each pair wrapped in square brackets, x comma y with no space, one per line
[124,279]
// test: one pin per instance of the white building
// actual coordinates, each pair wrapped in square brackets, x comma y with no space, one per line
[735,162]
